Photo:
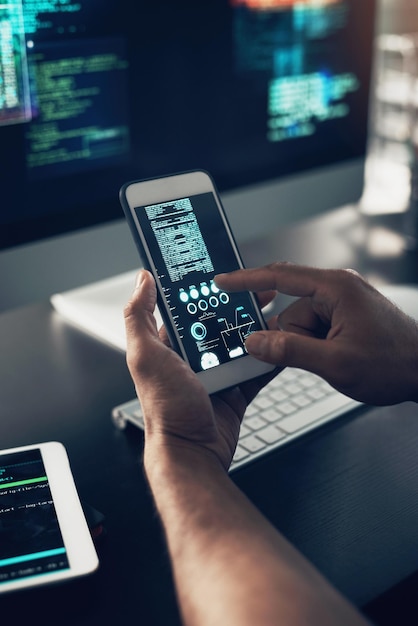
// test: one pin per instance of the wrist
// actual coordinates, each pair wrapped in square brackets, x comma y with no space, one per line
[167,458]
[413,369]
[415,387]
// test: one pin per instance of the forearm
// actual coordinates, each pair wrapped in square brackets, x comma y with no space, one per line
[414,371]
[230,565]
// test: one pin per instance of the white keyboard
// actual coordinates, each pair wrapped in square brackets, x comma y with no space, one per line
[292,404]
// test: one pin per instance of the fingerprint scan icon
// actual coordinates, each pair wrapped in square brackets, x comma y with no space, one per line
[208,360]
[198,331]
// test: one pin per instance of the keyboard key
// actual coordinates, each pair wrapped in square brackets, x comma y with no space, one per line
[255,423]
[302,400]
[263,401]
[279,395]
[252,443]
[288,407]
[309,380]
[294,388]
[271,434]
[316,394]
[271,415]
[289,374]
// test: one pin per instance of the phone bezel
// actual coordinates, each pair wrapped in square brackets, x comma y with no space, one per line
[81,553]
[175,186]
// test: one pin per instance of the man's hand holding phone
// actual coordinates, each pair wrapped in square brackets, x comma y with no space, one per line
[179,415]
[178,412]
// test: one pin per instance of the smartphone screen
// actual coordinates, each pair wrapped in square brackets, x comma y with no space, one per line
[31,543]
[189,245]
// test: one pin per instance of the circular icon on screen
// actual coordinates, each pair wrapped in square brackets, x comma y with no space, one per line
[198,331]
[208,360]
[192,308]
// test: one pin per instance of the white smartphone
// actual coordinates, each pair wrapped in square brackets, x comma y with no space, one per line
[184,239]
[44,536]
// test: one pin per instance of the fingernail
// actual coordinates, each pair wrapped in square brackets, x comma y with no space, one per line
[257,344]
[138,280]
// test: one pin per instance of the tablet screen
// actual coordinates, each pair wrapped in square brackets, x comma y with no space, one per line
[31,543]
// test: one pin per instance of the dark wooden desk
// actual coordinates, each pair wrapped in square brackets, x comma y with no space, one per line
[347,495]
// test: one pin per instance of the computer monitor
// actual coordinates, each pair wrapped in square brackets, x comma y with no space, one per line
[270,96]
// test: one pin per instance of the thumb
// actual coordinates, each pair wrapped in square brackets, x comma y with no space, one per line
[140,323]
[290,350]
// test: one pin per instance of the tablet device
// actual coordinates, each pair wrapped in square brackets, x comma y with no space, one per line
[44,537]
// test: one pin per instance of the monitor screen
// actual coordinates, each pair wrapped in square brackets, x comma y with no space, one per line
[94,93]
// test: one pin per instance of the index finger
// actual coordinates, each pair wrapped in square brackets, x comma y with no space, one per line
[292,280]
